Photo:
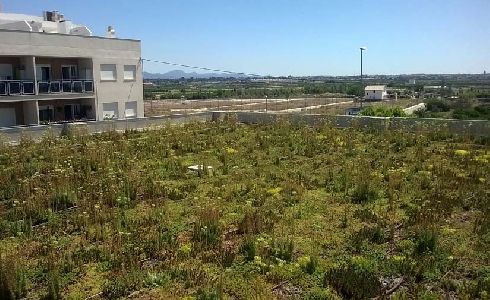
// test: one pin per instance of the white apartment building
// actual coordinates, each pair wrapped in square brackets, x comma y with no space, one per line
[375,92]
[52,70]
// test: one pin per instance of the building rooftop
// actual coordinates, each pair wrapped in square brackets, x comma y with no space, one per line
[375,88]
[51,22]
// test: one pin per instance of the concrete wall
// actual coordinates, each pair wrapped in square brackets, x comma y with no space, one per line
[22,43]
[458,127]
[14,135]
[119,91]
[19,112]
[31,112]
[85,65]
[29,64]
[375,95]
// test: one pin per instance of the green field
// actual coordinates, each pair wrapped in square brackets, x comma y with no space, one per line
[286,213]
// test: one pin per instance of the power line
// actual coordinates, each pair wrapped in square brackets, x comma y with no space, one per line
[198,68]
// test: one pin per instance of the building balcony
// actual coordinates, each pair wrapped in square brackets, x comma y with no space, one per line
[26,90]
[78,86]
[17,87]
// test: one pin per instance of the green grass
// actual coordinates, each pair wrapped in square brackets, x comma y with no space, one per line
[314,213]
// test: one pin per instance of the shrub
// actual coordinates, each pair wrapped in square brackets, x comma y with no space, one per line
[154,280]
[207,230]
[12,280]
[122,285]
[283,249]
[54,289]
[249,249]
[354,279]
[123,202]
[228,254]
[366,214]
[37,217]
[373,234]
[425,242]
[7,191]
[63,200]
[363,193]
[207,295]
[382,111]
[475,113]
[255,222]
[308,264]
[438,106]
[130,191]
[480,287]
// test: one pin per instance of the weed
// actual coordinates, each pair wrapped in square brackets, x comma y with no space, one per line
[363,193]
[207,295]
[249,249]
[425,242]
[126,204]
[355,278]
[122,285]
[63,200]
[308,264]
[318,293]
[13,283]
[159,279]
[373,234]
[254,222]
[207,231]
[54,288]
[283,249]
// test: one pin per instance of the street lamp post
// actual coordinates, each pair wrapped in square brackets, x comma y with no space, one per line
[362,81]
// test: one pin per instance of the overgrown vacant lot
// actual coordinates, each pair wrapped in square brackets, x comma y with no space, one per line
[287,212]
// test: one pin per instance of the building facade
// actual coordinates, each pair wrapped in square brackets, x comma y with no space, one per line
[375,92]
[52,70]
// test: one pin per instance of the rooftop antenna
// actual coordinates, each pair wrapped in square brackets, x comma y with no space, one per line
[111,32]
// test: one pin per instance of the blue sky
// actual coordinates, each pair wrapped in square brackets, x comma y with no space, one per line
[294,37]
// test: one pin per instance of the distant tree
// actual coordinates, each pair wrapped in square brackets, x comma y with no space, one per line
[437,106]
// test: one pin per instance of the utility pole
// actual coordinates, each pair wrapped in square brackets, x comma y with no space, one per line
[362,79]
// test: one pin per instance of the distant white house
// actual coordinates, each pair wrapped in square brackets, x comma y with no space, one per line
[375,92]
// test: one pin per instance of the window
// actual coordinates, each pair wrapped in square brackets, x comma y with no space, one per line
[7,117]
[108,73]
[6,72]
[86,74]
[131,109]
[46,113]
[43,72]
[69,72]
[129,72]
[72,112]
[110,111]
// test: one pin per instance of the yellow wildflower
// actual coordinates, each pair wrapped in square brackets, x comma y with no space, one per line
[462,152]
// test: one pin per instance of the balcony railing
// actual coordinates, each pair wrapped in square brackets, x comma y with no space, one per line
[16,87]
[65,86]
[26,87]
